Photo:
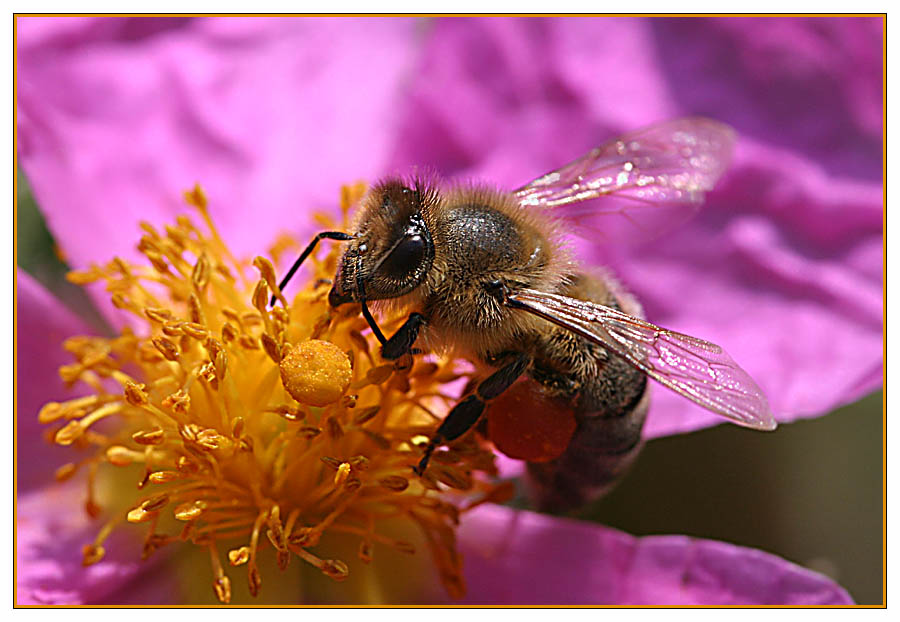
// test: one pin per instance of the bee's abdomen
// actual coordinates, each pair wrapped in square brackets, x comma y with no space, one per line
[609,398]
[600,452]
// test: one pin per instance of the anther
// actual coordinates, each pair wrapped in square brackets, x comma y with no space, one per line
[164,477]
[138,515]
[309,432]
[189,510]
[376,375]
[336,569]
[135,394]
[69,433]
[118,455]
[83,277]
[156,503]
[196,310]
[342,474]
[153,543]
[290,413]
[271,347]
[248,342]
[180,402]
[254,581]
[260,296]
[454,478]
[196,197]
[196,331]
[221,364]
[168,349]
[156,436]
[173,329]
[229,332]
[65,472]
[365,552]
[91,554]
[365,415]
[222,587]
[395,483]
[239,556]
[200,274]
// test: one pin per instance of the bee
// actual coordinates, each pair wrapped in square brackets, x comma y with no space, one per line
[488,274]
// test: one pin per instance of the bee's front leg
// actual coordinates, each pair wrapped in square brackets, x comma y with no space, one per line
[402,341]
[467,412]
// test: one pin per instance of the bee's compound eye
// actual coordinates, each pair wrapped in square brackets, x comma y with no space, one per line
[406,257]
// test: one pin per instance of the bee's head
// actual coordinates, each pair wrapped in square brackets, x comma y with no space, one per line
[392,250]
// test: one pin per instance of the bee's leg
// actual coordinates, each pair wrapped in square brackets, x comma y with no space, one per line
[325,235]
[467,412]
[402,341]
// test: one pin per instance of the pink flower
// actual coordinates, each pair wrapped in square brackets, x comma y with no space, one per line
[116,117]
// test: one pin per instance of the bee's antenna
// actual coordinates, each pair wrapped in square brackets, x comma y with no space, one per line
[326,235]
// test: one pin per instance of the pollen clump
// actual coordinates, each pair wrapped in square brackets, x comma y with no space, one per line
[526,424]
[315,372]
[213,420]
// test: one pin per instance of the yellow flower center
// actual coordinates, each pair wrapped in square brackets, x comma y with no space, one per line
[252,430]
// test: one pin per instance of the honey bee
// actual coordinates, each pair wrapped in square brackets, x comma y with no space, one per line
[488,274]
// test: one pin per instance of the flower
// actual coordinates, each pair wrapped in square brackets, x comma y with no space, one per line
[116,117]
[221,451]
[221,458]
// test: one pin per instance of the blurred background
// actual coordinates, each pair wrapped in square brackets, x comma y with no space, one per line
[812,491]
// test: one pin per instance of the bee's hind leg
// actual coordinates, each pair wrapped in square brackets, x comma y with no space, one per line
[467,412]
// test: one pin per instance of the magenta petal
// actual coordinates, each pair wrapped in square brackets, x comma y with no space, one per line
[116,119]
[51,529]
[521,558]
[43,324]
[782,271]
[506,99]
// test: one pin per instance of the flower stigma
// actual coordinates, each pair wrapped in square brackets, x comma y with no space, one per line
[252,430]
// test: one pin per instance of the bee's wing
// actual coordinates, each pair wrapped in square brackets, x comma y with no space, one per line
[647,179]
[699,370]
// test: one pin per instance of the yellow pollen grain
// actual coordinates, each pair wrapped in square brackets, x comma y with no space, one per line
[315,372]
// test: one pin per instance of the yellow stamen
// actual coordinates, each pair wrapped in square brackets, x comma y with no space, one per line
[231,415]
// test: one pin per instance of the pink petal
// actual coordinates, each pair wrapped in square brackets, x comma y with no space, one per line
[43,324]
[117,118]
[521,558]
[506,99]
[51,529]
[784,273]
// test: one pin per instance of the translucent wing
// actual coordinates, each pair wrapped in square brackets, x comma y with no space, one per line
[699,370]
[647,179]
